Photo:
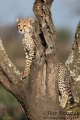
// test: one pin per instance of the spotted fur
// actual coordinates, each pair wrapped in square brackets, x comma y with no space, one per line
[25,27]
[64,86]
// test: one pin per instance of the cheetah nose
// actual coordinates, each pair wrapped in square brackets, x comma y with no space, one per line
[21,30]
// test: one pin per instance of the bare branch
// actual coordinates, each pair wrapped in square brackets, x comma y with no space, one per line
[7,66]
[73,64]
[9,75]
[4,81]
[43,14]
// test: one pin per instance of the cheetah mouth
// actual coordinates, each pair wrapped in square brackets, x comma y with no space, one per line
[21,32]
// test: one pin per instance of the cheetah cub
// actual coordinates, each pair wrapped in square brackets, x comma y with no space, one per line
[25,27]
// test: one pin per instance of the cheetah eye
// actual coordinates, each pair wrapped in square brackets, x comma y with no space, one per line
[18,25]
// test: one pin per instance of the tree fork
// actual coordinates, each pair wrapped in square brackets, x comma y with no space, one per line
[38,94]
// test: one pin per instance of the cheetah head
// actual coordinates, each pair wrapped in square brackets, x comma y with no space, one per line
[25,25]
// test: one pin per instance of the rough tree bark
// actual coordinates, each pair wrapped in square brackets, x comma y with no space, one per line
[73,65]
[38,94]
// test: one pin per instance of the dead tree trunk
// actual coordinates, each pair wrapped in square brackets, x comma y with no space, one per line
[73,65]
[38,94]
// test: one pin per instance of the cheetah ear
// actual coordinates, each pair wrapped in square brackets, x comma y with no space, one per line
[31,21]
[17,20]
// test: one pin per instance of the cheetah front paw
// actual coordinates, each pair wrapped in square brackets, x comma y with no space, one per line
[24,74]
[63,105]
[63,101]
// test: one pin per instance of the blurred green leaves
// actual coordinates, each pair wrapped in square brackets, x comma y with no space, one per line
[64,35]
[6,97]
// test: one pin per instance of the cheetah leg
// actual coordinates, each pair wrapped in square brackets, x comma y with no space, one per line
[26,73]
[64,100]
[27,69]
[28,64]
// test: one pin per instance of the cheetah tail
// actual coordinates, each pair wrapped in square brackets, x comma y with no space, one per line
[71,99]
